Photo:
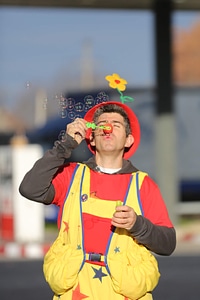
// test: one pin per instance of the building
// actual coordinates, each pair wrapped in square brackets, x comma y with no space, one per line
[186,56]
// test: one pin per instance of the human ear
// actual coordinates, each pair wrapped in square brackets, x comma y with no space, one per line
[92,140]
[129,141]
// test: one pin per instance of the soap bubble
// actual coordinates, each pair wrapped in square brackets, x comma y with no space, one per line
[62,136]
[27,84]
[62,102]
[71,115]
[79,106]
[45,101]
[56,97]
[89,100]
[70,103]
[78,116]
[62,113]
[101,97]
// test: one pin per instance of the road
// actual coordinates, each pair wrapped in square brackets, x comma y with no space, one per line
[23,280]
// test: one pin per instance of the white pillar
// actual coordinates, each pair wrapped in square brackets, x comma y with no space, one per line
[29,221]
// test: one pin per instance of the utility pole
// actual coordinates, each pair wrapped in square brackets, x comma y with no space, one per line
[166,152]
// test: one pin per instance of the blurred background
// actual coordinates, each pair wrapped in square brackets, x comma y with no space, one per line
[54,57]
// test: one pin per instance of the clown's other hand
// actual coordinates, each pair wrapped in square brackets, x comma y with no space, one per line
[124,217]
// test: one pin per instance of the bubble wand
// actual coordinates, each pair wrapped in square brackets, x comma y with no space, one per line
[107,128]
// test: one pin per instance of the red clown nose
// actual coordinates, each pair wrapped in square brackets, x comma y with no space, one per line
[107,128]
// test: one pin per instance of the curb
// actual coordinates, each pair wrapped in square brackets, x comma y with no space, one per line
[30,250]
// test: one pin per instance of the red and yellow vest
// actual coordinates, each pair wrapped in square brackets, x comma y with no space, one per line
[129,271]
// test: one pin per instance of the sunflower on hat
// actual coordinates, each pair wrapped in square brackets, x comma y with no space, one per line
[118,83]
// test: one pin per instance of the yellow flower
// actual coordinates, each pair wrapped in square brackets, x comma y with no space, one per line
[116,82]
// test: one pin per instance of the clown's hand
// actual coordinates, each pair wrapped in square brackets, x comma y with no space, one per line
[124,217]
[77,129]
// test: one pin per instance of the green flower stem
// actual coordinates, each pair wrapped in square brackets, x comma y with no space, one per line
[124,98]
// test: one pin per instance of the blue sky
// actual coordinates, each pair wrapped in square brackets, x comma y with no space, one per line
[38,44]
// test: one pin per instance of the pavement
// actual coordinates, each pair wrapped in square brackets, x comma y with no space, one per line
[188,243]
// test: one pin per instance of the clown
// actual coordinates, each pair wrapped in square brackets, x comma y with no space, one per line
[112,216]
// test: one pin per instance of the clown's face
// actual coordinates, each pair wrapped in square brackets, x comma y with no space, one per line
[113,142]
